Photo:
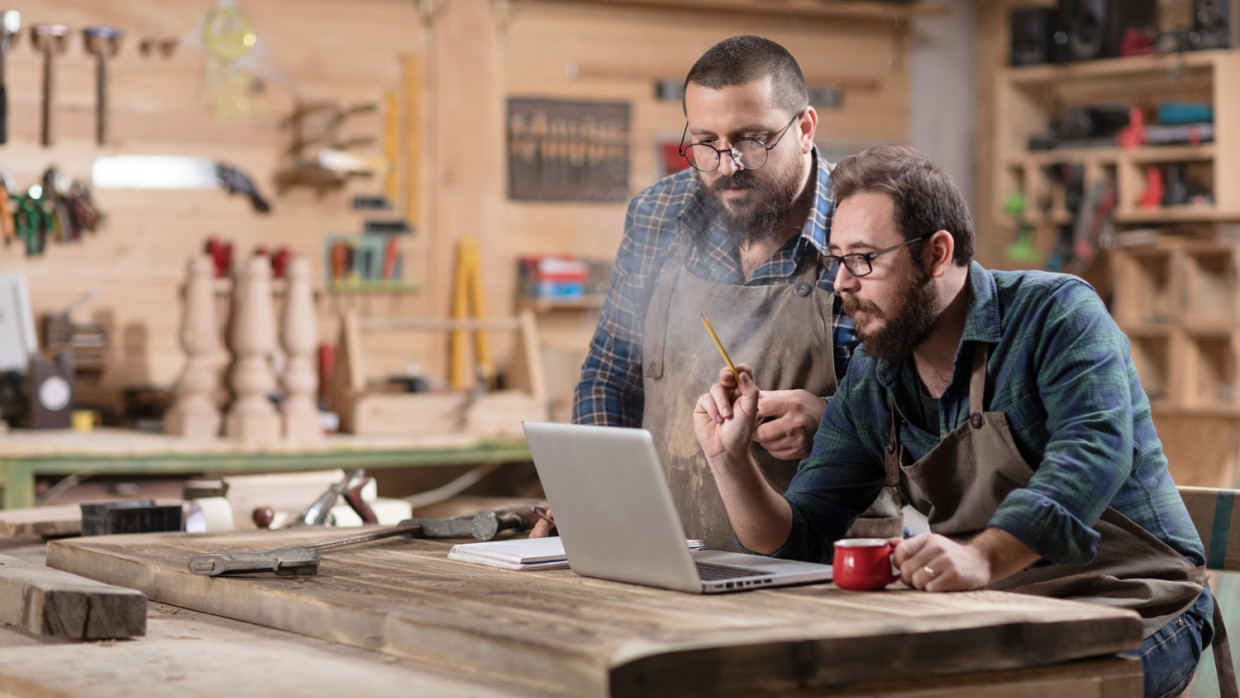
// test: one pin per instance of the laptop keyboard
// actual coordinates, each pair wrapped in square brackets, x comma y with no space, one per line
[711,572]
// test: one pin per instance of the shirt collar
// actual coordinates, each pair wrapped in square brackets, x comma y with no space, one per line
[981,324]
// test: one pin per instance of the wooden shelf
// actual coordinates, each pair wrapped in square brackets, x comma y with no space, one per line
[869,10]
[1109,68]
[544,305]
[1173,214]
[374,287]
[1114,155]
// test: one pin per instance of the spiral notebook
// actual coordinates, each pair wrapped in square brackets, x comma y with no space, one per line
[515,554]
[522,553]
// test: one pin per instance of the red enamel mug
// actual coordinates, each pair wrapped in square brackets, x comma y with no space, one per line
[864,564]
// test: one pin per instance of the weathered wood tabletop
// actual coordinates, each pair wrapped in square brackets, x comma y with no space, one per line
[571,634]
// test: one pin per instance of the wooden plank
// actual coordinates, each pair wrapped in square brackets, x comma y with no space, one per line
[593,637]
[188,655]
[59,604]
[41,522]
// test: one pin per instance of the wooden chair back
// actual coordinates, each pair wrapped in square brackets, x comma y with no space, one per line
[1216,515]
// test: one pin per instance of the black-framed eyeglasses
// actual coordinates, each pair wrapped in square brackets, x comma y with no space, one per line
[859,264]
[746,153]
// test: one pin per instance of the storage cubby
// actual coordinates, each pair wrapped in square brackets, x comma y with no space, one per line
[1177,302]
[1147,286]
[1152,355]
[1210,286]
[1210,368]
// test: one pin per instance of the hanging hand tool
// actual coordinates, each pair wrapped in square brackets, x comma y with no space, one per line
[50,39]
[174,172]
[101,42]
[303,560]
[10,30]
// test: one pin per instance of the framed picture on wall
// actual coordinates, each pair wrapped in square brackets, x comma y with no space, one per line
[568,150]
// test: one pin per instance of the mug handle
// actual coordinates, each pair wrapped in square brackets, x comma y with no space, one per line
[895,571]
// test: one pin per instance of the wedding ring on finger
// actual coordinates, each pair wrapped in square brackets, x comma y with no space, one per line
[928,570]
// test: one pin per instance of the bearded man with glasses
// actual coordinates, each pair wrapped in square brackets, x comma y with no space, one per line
[737,237]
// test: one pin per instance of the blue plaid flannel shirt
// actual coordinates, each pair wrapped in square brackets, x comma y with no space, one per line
[610,391]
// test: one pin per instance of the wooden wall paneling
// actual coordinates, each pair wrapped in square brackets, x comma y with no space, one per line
[464,152]
[474,53]
[607,51]
[348,53]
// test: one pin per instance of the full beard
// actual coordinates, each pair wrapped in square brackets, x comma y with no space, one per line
[907,324]
[774,200]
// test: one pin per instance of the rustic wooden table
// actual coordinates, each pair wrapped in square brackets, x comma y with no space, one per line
[557,633]
[25,454]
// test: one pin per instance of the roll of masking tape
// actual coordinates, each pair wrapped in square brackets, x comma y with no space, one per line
[209,514]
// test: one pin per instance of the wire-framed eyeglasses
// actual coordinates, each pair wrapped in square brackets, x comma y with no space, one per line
[746,153]
[859,264]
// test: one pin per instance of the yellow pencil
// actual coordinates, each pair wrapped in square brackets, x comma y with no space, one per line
[714,337]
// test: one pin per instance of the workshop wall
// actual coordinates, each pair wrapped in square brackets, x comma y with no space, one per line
[476,53]
[347,53]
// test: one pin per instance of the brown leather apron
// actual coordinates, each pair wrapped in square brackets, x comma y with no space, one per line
[784,331]
[960,483]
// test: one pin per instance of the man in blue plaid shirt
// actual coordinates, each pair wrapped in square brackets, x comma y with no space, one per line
[737,237]
[1005,406]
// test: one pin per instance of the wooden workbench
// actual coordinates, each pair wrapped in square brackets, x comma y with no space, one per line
[25,454]
[559,633]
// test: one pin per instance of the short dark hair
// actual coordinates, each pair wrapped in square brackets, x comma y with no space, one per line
[745,58]
[926,199]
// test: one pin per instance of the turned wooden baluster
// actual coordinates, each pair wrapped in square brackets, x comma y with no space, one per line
[252,419]
[195,414]
[299,335]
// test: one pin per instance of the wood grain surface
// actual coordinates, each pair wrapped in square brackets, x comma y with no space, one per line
[593,637]
[53,603]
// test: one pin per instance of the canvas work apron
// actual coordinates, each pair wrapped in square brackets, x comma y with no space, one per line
[784,332]
[960,483]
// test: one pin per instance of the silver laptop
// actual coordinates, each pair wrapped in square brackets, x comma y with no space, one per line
[616,518]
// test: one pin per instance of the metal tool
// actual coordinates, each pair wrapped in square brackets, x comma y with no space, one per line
[303,560]
[318,513]
[102,42]
[10,30]
[50,39]
[174,172]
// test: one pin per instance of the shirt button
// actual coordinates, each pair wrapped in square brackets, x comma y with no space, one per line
[975,420]
[802,289]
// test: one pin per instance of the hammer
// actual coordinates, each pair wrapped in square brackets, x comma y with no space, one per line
[102,43]
[10,30]
[50,39]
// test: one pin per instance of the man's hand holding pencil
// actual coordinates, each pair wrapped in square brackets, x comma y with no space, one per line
[787,419]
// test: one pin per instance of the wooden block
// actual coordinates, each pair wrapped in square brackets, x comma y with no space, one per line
[59,604]
[408,413]
[42,522]
[500,414]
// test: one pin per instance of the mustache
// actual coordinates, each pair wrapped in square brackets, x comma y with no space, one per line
[742,179]
[852,305]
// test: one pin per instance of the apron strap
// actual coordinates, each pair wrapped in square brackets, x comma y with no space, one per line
[977,383]
[1223,663]
[660,305]
[894,457]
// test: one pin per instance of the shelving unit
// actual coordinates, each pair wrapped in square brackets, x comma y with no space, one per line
[1177,303]
[1177,298]
[1028,97]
